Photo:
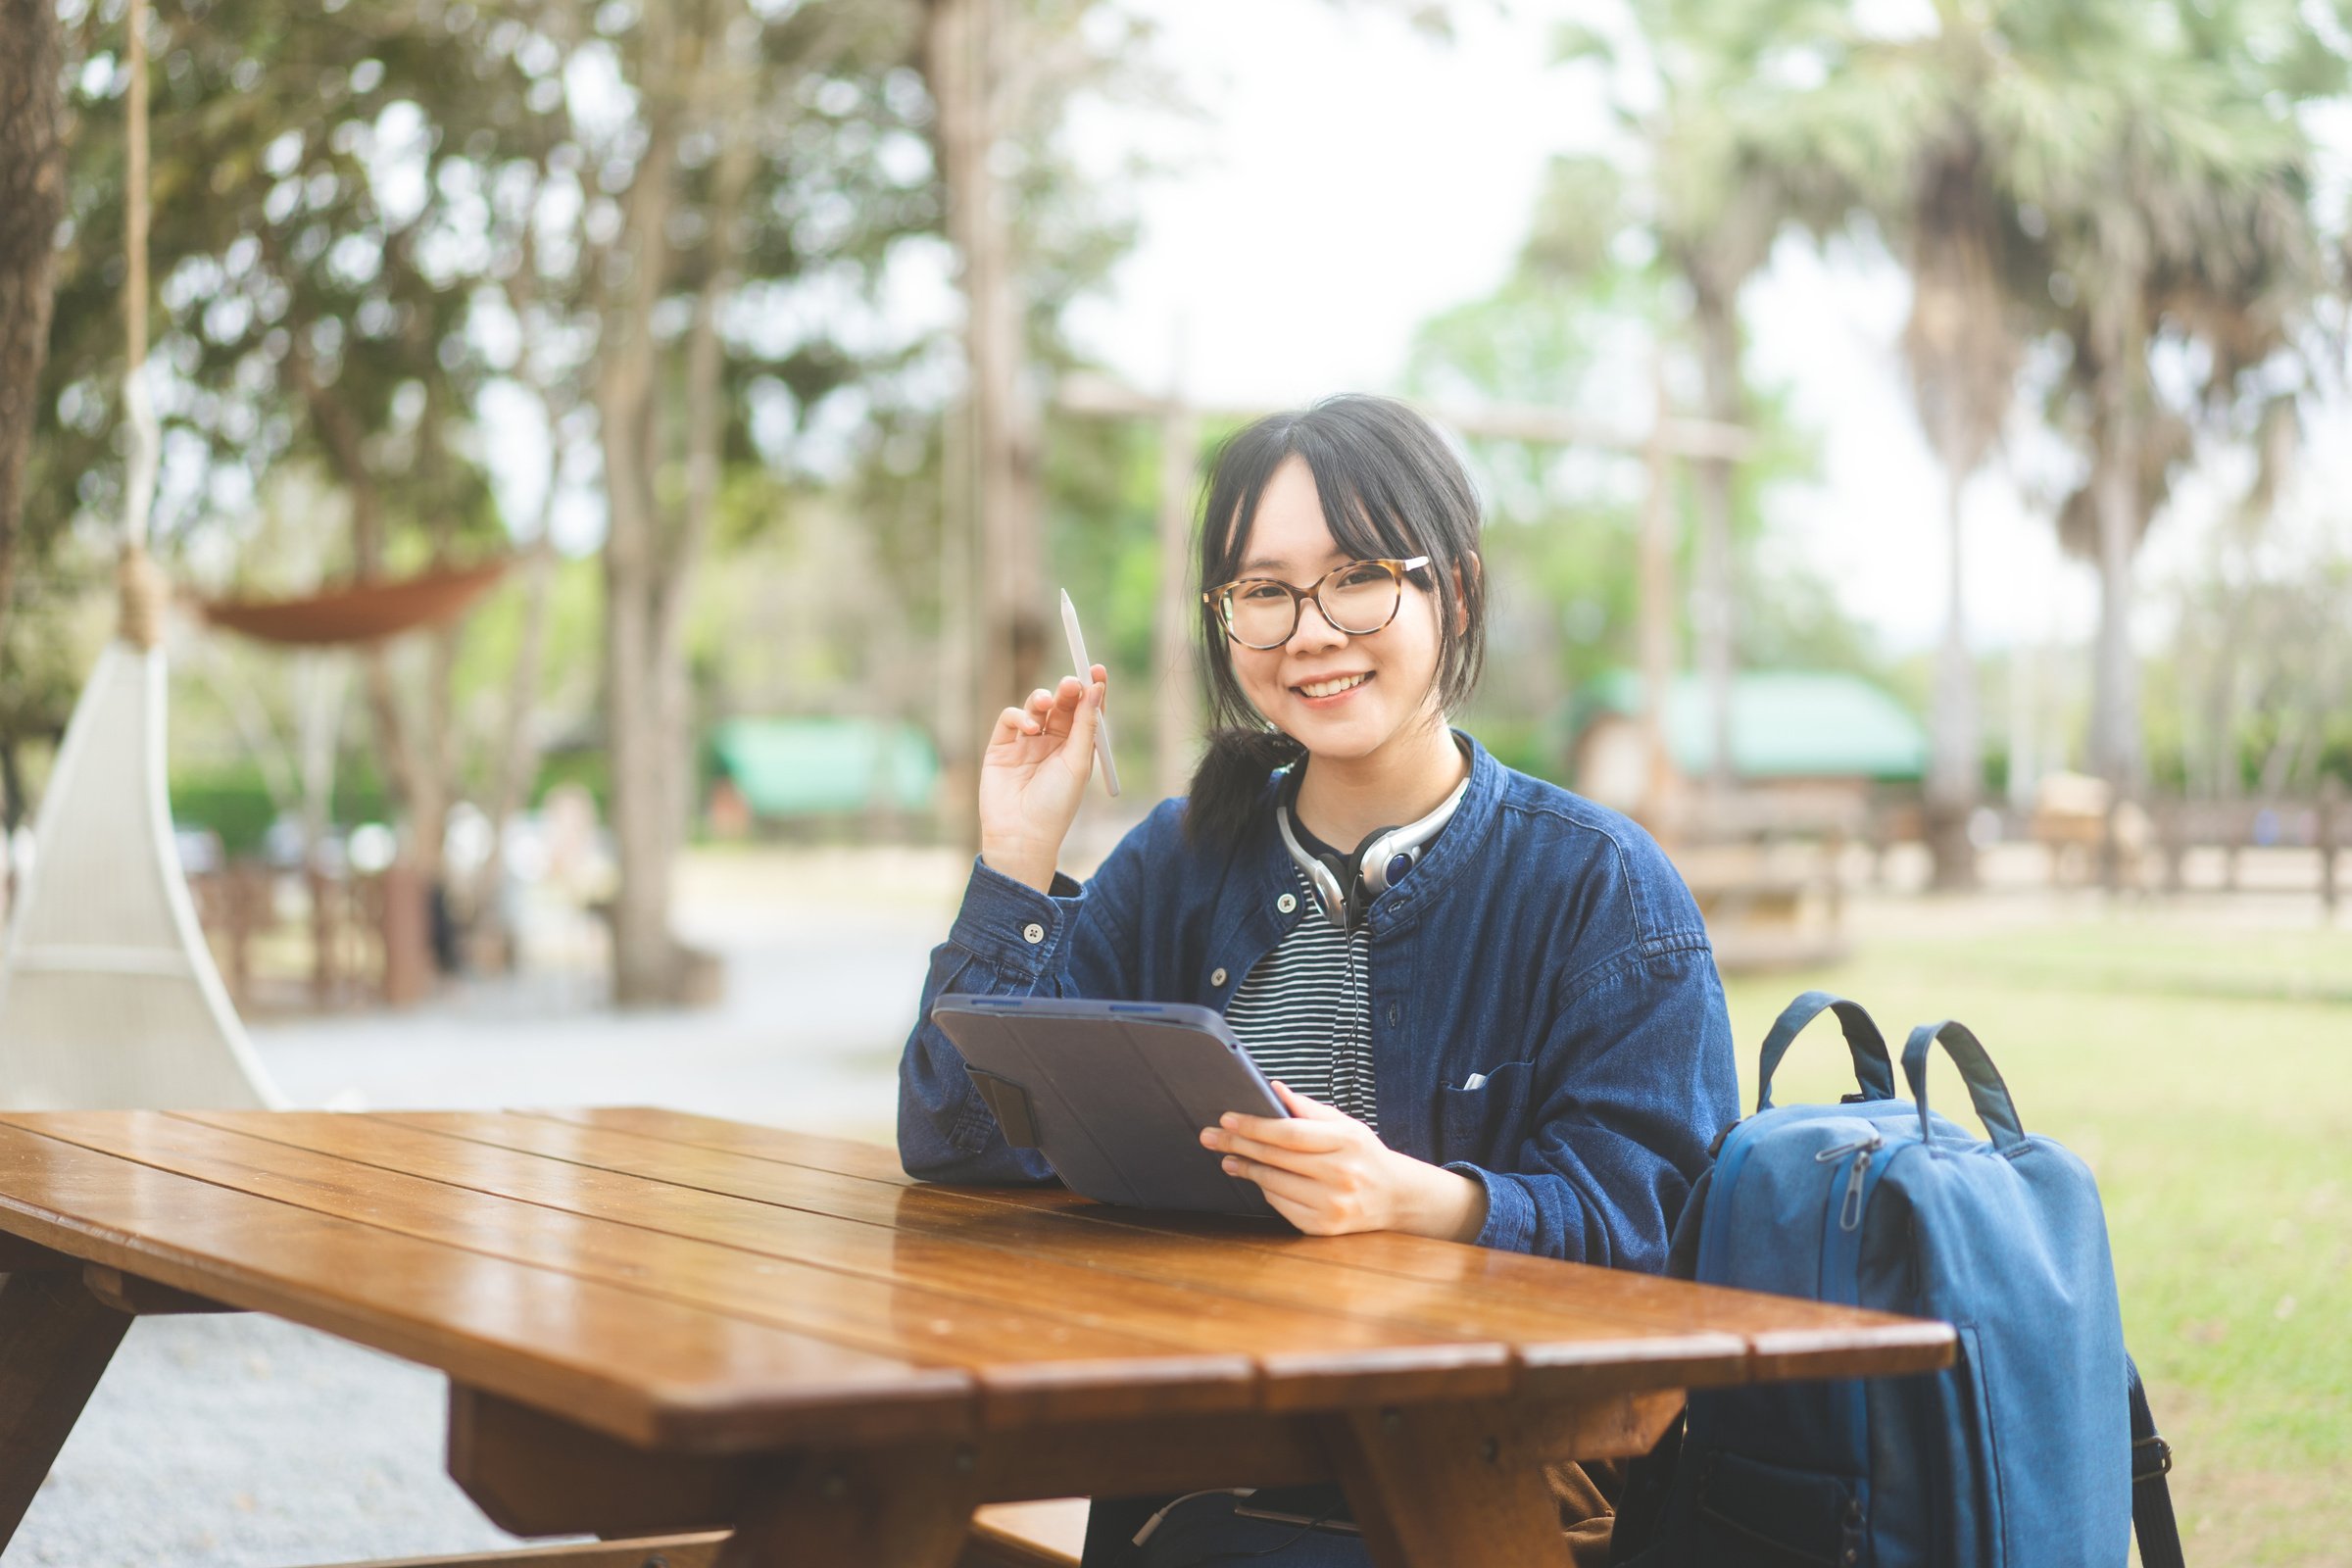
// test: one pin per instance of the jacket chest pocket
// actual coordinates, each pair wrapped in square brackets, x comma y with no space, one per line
[1477,1123]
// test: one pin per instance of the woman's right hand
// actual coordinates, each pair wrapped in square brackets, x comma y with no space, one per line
[1033,775]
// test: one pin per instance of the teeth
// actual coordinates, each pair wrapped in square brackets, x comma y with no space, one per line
[1330,688]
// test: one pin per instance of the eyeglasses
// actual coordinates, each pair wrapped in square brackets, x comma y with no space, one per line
[1357,599]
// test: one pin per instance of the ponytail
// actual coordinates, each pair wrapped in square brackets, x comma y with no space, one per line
[1222,808]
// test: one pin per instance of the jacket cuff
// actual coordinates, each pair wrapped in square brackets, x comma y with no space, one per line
[1011,927]
[1510,1209]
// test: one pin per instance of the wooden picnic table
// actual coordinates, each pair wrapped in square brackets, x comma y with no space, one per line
[655,1322]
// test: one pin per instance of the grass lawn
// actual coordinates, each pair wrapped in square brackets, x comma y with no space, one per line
[2205,1073]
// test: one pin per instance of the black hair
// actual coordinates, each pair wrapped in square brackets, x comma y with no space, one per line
[1392,488]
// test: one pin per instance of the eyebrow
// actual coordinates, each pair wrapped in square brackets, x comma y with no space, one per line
[1338,558]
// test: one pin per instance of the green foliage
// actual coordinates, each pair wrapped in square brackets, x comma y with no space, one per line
[235,804]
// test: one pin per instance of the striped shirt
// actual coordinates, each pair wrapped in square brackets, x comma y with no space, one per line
[1305,1012]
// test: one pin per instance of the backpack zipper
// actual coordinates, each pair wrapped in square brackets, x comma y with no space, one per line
[1849,1210]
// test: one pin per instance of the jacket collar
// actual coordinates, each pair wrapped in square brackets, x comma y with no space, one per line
[1402,905]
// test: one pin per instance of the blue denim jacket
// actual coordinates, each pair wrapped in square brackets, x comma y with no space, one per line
[1545,1013]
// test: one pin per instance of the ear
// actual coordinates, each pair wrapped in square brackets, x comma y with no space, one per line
[1461,594]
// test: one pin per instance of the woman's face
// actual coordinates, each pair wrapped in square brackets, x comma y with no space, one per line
[1339,696]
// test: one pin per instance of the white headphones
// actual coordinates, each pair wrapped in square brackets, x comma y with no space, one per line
[1378,864]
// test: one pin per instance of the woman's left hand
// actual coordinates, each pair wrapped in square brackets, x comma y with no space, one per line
[1329,1174]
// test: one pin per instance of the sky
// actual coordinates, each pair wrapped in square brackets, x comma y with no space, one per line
[1347,178]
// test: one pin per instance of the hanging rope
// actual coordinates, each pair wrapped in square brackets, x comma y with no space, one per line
[142,598]
[141,615]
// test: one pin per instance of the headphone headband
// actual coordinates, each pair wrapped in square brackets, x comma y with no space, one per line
[1373,869]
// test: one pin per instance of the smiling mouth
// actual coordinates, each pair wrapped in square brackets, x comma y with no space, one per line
[1332,687]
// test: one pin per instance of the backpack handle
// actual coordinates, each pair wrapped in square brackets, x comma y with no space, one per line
[1985,1090]
[1874,1071]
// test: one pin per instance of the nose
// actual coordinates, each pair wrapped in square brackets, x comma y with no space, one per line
[1314,630]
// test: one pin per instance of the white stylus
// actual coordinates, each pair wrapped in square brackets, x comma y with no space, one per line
[1085,674]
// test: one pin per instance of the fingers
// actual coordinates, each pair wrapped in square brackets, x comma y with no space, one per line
[1276,1132]
[1276,1183]
[1011,725]
[1063,710]
[1043,708]
[1298,1104]
[1085,714]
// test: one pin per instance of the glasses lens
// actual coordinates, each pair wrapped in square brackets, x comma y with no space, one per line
[1359,598]
[1260,614]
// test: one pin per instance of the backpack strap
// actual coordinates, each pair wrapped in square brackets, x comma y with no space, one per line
[1985,1090]
[2151,1494]
[1874,1069]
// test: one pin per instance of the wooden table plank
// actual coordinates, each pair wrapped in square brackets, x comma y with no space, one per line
[1026,1366]
[1784,1335]
[1564,1344]
[643,1369]
[1309,1357]
[846,1157]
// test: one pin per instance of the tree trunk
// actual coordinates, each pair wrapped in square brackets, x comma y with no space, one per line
[649,556]
[1955,756]
[414,783]
[646,962]
[32,193]
[2115,739]
[964,58]
[519,753]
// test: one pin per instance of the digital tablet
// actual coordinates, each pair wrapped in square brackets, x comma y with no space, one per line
[1115,1093]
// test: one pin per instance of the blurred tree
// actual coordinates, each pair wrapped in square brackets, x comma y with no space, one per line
[1001,76]
[2183,235]
[1733,158]
[33,189]
[740,217]
[302,315]
[657,225]
[2130,175]
[1730,155]
[1590,302]
[1926,125]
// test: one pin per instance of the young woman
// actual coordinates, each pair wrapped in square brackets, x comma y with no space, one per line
[1490,1005]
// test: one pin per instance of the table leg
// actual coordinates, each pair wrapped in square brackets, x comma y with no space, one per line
[55,1341]
[908,1508]
[1446,1487]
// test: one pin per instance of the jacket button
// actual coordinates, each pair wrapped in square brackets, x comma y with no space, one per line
[1033,933]
[1287,902]
[1392,1015]
[1216,977]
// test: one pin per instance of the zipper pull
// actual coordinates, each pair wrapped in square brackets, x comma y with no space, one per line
[1849,1213]
[1829,1157]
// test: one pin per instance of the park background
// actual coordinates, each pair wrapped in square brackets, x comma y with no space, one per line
[1946,399]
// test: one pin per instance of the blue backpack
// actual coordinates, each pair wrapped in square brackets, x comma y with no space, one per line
[2035,1447]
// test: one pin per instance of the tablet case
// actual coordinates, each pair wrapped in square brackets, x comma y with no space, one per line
[1115,1093]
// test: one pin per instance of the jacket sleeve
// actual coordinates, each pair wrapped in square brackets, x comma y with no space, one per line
[1640,1078]
[1009,940]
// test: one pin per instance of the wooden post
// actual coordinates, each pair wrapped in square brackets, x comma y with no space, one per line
[1657,614]
[408,942]
[2331,828]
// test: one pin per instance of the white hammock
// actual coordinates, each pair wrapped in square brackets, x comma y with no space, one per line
[108,995]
